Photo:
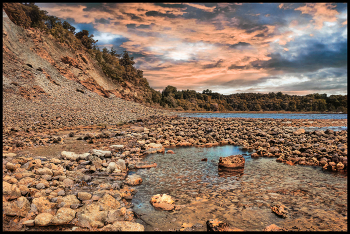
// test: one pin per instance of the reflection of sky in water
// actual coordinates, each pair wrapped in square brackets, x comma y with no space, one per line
[184,172]
[184,176]
[266,115]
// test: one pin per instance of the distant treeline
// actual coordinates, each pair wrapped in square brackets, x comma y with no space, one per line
[212,101]
[120,68]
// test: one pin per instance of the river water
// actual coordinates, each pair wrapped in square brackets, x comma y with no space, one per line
[266,115]
[315,200]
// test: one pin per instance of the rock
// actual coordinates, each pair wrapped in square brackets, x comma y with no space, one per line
[10,191]
[117,146]
[116,215]
[89,214]
[10,166]
[214,225]
[233,161]
[68,201]
[40,186]
[340,166]
[9,155]
[101,153]
[68,182]
[108,202]
[20,207]
[164,202]
[154,148]
[274,228]
[63,216]
[133,179]
[84,196]
[29,223]
[137,128]
[280,211]
[126,226]
[170,152]
[43,219]
[44,171]
[61,193]
[121,164]
[73,156]
[111,167]
[43,205]
[299,131]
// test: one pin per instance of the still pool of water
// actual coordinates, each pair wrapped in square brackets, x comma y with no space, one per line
[242,200]
[266,115]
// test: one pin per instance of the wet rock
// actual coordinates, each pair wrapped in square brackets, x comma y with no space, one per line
[43,219]
[63,216]
[162,201]
[233,161]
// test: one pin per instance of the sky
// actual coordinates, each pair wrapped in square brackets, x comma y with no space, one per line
[293,48]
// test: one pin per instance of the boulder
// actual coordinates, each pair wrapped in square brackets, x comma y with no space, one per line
[233,161]
[164,202]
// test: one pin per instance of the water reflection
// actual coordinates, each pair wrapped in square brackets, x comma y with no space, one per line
[241,197]
[228,172]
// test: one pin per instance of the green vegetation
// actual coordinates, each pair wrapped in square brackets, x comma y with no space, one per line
[120,68]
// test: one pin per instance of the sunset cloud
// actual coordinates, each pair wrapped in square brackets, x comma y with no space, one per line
[224,47]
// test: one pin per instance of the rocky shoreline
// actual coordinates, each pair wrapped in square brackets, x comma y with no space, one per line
[58,177]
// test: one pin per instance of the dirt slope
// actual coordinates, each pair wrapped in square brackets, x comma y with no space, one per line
[45,80]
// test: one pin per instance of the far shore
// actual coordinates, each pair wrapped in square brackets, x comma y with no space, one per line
[260,112]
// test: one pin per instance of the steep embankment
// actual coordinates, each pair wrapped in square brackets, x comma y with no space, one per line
[45,82]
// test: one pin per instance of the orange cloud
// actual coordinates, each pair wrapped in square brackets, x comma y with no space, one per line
[321,12]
